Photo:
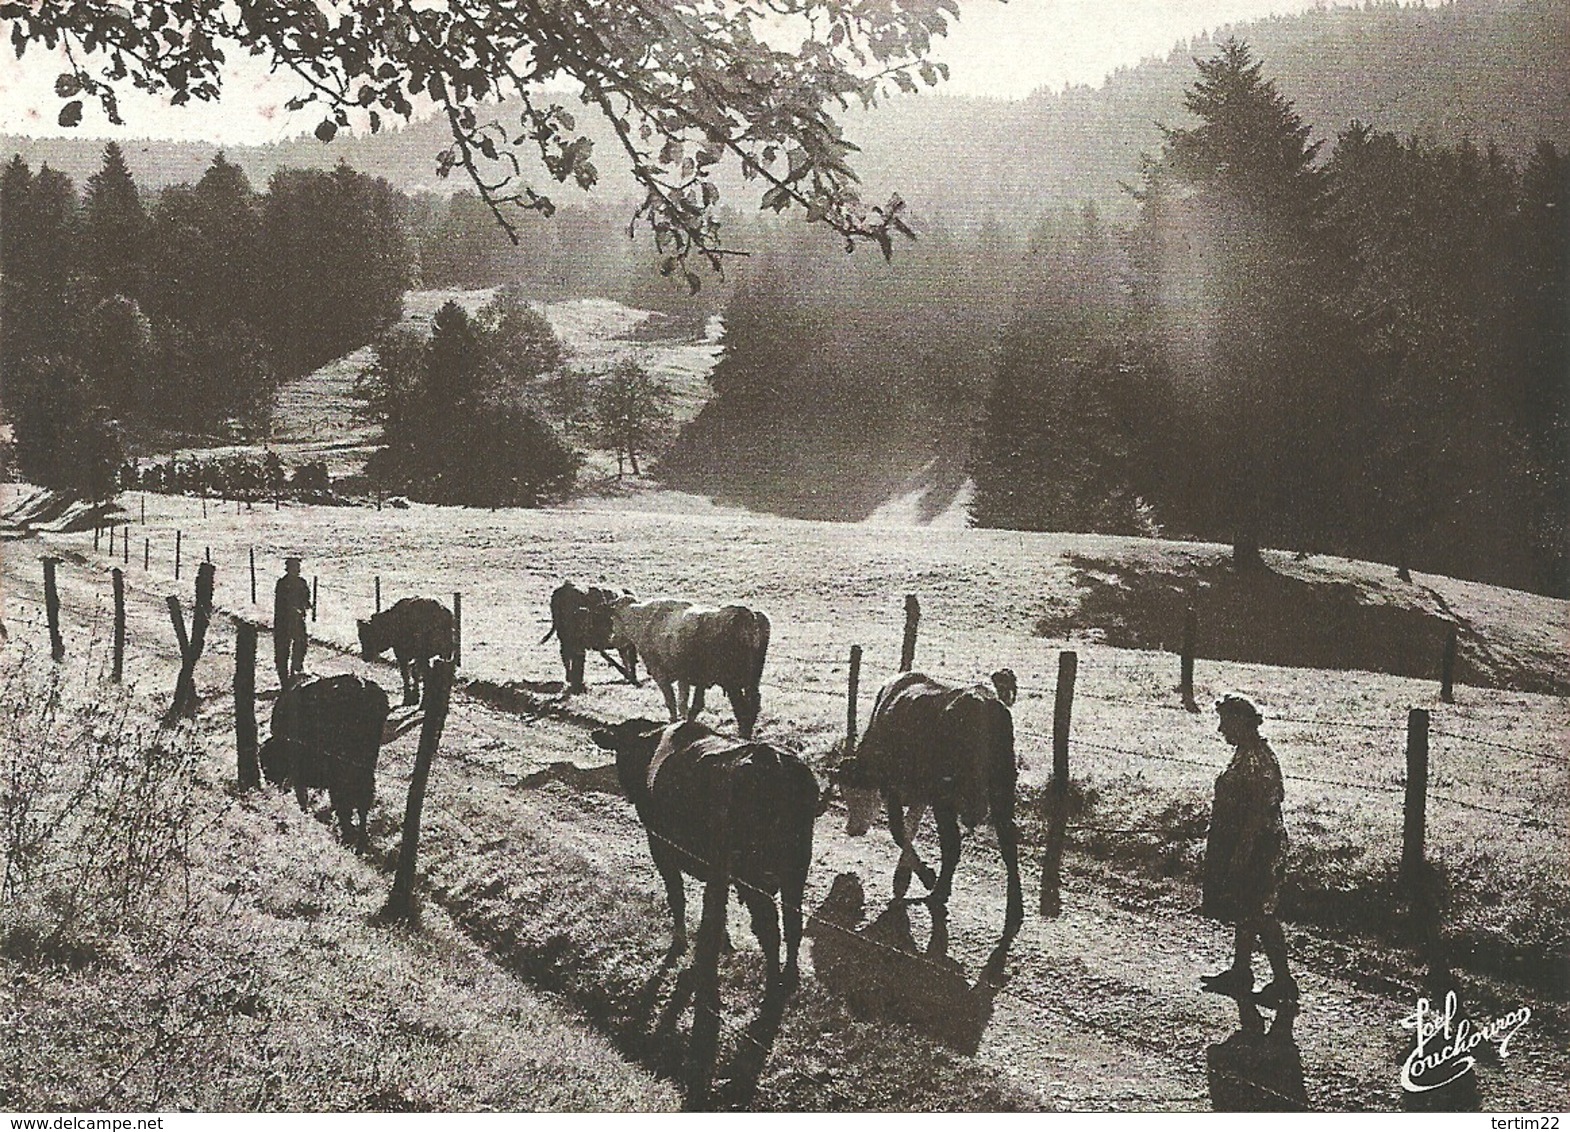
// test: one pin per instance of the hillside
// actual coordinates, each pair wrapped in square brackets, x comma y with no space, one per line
[1410,70]
[532,852]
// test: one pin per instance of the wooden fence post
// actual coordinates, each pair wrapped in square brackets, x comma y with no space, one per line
[247,772]
[52,610]
[1186,682]
[119,624]
[204,506]
[457,629]
[1447,671]
[177,537]
[97,530]
[253,575]
[185,687]
[1416,795]
[147,551]
[907,652]
[1057,791]
[438,687]
[177,617]
[313,597]
[144,508]
[125,545]
[852,691]
[378,593]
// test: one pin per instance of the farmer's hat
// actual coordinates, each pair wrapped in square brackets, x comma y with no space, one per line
[295,558]
[1239,707]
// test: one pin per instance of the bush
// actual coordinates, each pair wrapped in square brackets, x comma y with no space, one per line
[97,819]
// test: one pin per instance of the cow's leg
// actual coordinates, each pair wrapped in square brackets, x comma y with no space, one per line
[697,702]
[908,860]
[301,795]
[948,836]
[905,839]
[422,672]
[670,698]
[683,699]
[629,659]
[793,890]
[746,713]
[411,695]
[765,925]
[675,893]
[575,671]
[1008,845]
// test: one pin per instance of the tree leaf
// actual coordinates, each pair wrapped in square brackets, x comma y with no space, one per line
[71,113]
[67,85]
[326,131]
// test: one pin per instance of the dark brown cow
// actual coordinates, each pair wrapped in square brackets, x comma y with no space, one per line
[727,812]
[581,620]
[326,734]
[416,629]
[689,647]
[928,744]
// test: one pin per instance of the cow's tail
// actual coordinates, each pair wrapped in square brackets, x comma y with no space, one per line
[549,635]
[760,628]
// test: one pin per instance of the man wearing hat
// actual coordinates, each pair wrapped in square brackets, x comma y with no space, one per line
[291,600]
[1244,856]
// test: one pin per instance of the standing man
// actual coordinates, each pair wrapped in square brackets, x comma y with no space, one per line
[1244,856]
[291,601]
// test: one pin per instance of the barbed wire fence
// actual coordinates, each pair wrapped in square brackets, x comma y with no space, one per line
[1413,785]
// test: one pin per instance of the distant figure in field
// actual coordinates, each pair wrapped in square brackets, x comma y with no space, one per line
[1244,856]
[291,601]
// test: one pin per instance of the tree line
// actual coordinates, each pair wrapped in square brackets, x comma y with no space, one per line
[1357,350]
[124,318]
[1363,354]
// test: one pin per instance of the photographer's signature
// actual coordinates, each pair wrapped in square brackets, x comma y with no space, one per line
[1444,1046]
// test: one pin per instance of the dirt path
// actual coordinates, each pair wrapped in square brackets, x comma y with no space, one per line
[528,843]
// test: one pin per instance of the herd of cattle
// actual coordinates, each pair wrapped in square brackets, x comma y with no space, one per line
[727,811]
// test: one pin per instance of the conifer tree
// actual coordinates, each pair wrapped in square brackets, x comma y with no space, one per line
[114,229]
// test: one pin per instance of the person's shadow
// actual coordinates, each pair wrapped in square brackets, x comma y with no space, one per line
[1257,1070]
[877,969]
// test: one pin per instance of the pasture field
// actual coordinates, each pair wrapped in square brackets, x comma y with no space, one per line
[166,944]
[533,854]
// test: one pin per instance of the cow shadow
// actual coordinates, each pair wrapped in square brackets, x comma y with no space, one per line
[1257,1069]
[879,971]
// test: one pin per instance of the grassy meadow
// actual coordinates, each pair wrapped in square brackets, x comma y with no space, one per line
[1498,802]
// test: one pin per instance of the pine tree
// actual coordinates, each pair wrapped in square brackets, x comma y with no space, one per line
[1236,264]
[114,229]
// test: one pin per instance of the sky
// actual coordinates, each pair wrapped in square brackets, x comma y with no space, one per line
[996,49]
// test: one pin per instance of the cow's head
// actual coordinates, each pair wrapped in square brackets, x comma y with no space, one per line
[861,795]
[1006,684]
[619,631]
[368,644]
[277,760]
[593,621]
[633,742]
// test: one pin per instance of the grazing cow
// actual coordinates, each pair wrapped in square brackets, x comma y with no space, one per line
[695,648]
[416,629]
[581,620]
[724,811]
[326,734]
[928,744]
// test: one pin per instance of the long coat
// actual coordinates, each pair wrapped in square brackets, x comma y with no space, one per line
[1246,848]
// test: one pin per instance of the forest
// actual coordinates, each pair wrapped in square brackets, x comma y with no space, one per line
[123,319]
[1328,335]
